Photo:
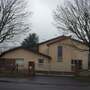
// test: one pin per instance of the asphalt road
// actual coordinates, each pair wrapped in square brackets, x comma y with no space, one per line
[44,83]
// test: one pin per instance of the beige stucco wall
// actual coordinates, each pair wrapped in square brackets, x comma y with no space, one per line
[27,56]
[69,53]
[43,48]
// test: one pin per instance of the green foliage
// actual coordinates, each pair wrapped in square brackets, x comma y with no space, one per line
[31,42]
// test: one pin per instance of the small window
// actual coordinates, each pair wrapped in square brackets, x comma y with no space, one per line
[40,60]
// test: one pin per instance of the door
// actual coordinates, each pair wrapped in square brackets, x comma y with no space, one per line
[31,68]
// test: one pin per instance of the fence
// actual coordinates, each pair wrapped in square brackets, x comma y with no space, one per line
[41,67]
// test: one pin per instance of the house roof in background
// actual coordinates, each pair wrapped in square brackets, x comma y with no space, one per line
[38,53]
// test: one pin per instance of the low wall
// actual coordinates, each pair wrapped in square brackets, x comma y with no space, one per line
[51,67]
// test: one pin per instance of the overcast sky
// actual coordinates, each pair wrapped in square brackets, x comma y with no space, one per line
[42,18]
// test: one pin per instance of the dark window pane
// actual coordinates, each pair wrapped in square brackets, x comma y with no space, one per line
[59,51]
[40,61]
[72,62]
[75,61]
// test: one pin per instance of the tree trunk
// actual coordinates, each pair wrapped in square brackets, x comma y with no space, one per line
[89,59]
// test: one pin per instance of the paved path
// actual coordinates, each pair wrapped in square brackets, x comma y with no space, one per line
[43,83]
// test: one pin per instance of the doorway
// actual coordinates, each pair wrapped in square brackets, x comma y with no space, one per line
[31,68]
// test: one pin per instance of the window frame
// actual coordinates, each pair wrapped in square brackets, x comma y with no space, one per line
[76,63]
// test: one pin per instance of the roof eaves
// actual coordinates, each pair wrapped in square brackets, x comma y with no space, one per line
[52,40]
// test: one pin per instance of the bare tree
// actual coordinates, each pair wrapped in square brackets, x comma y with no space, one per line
[75,18]
[12,19]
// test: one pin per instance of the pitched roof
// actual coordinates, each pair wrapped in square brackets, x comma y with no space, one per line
[53,40]
[38,53]
[59,39]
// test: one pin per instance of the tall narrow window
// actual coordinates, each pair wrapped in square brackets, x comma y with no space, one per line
[47,51]
[59,53]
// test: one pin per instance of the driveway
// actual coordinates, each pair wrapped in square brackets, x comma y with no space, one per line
[43,83]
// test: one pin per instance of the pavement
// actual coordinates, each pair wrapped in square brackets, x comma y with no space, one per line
[43,83]
[45,80]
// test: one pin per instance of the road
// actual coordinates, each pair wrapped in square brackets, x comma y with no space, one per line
[45,83]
